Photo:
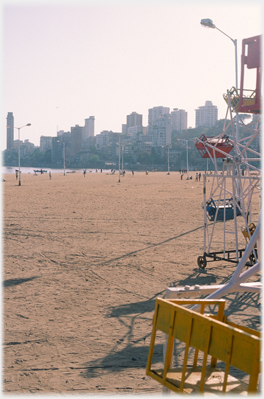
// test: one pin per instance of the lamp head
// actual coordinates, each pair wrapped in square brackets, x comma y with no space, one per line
[29,124]
[207,23]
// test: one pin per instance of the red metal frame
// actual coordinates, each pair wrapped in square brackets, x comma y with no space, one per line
[253,61]
[222,144]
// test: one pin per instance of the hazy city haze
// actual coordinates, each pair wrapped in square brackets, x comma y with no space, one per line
[65,61]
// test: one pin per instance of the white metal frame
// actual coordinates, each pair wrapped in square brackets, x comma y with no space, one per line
[244,186]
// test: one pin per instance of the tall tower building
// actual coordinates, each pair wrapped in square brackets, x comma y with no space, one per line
[206,115]
[88,130]
[161,131]
[76,139]
[45,143]
[9,131]
[159,126]
[134,119]
[155,112]
[178,119]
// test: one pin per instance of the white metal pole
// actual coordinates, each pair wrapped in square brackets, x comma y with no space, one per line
[19,178]
[64,157]
[234,180]
[119,160]
[122,158]
[18,128]
[187,162]
[168,160]
[205,217]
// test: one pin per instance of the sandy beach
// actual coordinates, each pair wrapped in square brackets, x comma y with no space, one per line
[84,259]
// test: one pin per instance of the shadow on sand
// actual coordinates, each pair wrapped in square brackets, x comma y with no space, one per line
[135,355]
[16,281]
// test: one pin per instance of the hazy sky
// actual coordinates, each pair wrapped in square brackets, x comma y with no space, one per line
[63,61]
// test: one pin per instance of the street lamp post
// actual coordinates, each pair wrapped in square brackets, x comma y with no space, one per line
[208,23]
[18,128]
[186,141]
[64,157]
[119,160]
[122,158]
[168,160]
[187,160]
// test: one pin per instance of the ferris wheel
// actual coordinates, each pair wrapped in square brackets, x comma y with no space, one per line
[233,202]
[232,190]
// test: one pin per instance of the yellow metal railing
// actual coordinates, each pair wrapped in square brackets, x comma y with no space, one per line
[211,337]
[234,98]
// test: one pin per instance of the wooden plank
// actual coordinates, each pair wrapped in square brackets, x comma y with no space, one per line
[213,381]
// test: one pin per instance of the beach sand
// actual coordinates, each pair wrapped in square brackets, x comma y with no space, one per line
[84,259]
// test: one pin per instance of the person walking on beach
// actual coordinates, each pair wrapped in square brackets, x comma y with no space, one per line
[199,176]
[16,174]
[84,172]
[50,174]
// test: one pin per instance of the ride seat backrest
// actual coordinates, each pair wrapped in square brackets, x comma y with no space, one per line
[253,57]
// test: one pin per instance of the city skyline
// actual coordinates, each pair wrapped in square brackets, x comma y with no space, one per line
[177,117]
[62,63]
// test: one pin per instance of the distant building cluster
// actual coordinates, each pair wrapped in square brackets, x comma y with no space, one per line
[74,144]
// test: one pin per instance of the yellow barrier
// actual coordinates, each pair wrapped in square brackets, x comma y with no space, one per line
[210,336]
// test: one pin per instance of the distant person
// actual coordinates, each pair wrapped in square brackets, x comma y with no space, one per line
[41,171]
[132,172]
[50,174]
[199,176]
[101,170]
[181,176]
[84,172]
[16,174]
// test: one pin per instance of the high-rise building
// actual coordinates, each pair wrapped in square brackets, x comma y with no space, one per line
[57,150]
[76,140]
[102,139]
[159,126]
[161,131]
[206,115]
[178,119]
[134,119]
[9,131]
[124,129]
[45,143]
[155,112]
[88,130]
[133,130]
